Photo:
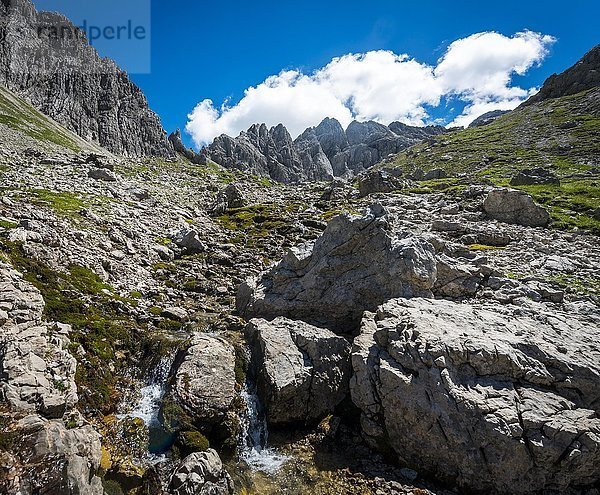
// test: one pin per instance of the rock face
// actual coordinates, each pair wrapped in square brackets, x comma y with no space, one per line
[66,79]
[205,380]
[516,207]
[179,147]
[585,74]
[488,398]
[201,473]
[320,153]
[302,371]
[354,266]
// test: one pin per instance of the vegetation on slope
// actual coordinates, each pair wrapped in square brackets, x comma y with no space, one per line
[562,135]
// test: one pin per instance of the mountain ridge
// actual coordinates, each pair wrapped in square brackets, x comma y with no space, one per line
[319,153]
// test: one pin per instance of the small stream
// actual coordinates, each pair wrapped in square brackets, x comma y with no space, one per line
[147,409]
[254,436]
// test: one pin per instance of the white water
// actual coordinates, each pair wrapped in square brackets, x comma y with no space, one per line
[254,435]
[151,395]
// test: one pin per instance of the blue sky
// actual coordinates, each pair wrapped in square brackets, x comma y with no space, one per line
[216,50]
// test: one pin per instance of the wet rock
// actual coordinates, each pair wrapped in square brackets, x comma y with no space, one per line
[504,399]
[55,459]
[201,473]
[515,207]
[356,264]
[302,371]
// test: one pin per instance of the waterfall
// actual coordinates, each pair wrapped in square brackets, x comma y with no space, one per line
[254,434]
[148,406]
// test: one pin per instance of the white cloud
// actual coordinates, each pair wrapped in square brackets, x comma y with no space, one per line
[382,86]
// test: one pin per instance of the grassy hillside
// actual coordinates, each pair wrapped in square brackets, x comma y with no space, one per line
[21,116]
[562,135]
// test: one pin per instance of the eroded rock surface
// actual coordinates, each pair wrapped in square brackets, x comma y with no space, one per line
[302,371]
[356,264]
[201,473]
[205,380]
[516,207]
[492,398]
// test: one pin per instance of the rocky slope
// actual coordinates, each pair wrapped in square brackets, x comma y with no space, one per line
[66,79]
[319,153]
[171,327]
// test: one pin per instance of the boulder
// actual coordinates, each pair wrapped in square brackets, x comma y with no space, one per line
[205,380]
[188,239]
[228,198]
[493,399]
[201,473]
[102,174]
[515,207]
[438,173]
[302,371]
[358,263]
[378,181]
[53,458]
[534,176]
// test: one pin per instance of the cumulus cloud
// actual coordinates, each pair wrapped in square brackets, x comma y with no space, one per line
[382,86]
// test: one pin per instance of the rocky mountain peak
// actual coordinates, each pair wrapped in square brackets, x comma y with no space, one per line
[319,153]
[585,74]
[66,79]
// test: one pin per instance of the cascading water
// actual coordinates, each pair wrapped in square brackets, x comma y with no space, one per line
[148,406]
[254,434]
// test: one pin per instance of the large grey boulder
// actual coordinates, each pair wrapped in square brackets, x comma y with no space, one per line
[356,264]
[302,371]
[378,181]
[54,458]
[515,207]
[201,473]
[205,380]
[490,398]
[228,198]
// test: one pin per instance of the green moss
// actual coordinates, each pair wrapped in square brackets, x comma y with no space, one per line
[173,417]
[574,283]
[80,298]
[484,247]
[192,441]
[134,294]
[163,241]
[7,224]
[256,222]
[111,487]
[155,310]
